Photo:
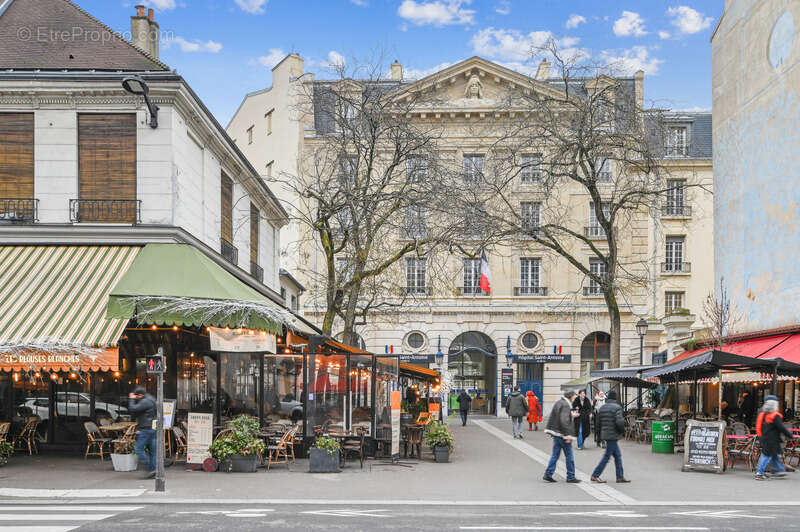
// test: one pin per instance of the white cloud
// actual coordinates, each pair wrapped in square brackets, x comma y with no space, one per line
[193,46]
[161,5]
[629,23]
[575,20]
[514,46]
[627,62]
[687,20]
[273,57]
[360,3]
[334,60]
[255,7]
[416,73]
[695,109]
[664,34]
[503,7]
[438,13]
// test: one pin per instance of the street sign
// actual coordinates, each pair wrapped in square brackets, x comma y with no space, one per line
[507,381]
[547,358]
[155,363]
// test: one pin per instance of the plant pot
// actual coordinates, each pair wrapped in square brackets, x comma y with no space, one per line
[124,462]
[441,453]
[319,461]
[239,464]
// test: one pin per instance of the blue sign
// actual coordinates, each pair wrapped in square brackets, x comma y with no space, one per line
[543,359]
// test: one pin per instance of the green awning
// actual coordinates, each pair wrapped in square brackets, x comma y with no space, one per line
[580,383]
[178,284]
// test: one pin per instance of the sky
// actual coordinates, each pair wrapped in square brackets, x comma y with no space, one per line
[226,48]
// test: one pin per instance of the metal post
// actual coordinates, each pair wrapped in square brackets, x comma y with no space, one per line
[641,363]
[719,396]
[694,396]
[775,378]
[260,393]
[677,404]
[160,480]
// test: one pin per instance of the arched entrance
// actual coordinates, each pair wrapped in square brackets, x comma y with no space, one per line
[596,350]
[473,360]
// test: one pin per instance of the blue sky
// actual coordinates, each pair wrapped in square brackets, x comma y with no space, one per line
[225,48]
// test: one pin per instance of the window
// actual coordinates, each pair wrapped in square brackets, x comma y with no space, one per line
[473,168]
[283,294]
[415,226]
[530,215]
[250,134]
[603,168]
[472,276]
[415,275]
[348,168]
[531,168]
[676,141]
[674,254]
[255,218]
[345,270]
[530,340]
[474,223]
[529,276]
[268,117]
[672,300]
[269,168]
[415,340]
[347,115]
[226,208]
[416,169]
[597,267]
[676,197]
[295,305]
[595,229]
[16,167]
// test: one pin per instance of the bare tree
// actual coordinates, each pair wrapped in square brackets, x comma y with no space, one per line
[369,178]
[721,315]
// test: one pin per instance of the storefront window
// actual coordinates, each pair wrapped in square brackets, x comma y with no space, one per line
[361,391]
[327,389]
[283,385]
[239,385]
[386,377]
[195,389]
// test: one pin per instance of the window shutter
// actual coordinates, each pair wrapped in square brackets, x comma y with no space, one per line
[254,218]
[16,155]
[226,196]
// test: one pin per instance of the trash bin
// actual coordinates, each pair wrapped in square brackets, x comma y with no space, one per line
[663,437]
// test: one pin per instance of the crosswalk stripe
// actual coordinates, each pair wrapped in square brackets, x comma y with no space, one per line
[68,508]
[54,517]
[54,528]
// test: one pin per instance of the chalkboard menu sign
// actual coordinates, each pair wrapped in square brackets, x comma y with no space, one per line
[703,446]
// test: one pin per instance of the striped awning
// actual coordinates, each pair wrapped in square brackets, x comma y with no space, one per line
[53,303]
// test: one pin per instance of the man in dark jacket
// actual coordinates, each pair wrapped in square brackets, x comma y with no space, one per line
[612,429]
[517,408]
[770,428]
[561,427]
[464,401]
[143,406]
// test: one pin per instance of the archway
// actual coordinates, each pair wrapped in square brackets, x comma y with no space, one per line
[596,350]
[472,358]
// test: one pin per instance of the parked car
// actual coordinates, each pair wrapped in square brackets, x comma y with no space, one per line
[74,404]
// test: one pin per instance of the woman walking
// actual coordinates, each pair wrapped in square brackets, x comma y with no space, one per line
[534,411]
[583,406]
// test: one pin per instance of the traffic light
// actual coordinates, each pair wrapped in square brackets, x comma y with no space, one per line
[155,363]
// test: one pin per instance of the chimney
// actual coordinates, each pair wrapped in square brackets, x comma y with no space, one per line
[543,72]
[397,71]
[144,31]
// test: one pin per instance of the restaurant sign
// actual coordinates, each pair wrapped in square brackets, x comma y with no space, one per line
[241,340]
[544,358]
[703,445]
[104,360]
[200,434]
[417,358]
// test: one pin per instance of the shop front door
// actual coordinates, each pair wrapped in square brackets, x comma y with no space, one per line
[472,359]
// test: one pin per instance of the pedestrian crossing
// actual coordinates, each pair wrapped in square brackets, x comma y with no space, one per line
[55,518]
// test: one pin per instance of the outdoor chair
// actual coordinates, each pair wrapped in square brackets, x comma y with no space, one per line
[95,441]
[26,439]
[5,428]
[383,436]
[291,440]
[742,451]
[423,418]
[353,445]
[180,443]
[740,429]
[630,428]
[277,452]
[413,439]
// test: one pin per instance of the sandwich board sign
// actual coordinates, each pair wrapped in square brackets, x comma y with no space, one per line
[703,446]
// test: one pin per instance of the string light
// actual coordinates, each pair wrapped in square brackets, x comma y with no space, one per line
[53,376]
[16,377]
[174,327]
[154,327]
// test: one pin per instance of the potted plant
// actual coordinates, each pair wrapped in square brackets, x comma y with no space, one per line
[123,456]
[324,456]
[6,450]
[441,440]
[238,449]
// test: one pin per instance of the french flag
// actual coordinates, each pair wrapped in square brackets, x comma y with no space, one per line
[486,274]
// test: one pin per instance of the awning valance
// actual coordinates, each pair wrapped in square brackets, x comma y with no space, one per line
[101,360]
[53,301]
[418,372]
[178,284]
[711,362]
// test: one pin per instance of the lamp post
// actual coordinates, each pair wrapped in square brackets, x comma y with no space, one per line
[641,328]
[138,86]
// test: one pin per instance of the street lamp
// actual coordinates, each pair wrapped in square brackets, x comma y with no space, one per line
[641,328]
[509,354]
[439,354]
[136,85]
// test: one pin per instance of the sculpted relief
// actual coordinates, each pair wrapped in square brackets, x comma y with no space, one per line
[474,88]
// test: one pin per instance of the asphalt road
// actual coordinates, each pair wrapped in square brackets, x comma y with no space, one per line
[60,517]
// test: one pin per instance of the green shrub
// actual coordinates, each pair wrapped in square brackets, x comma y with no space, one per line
[242,439]
[327,444]
[439,435]
[6,450]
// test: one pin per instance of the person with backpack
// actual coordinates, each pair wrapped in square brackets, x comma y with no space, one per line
[770,428]
[611,425]
[516,407]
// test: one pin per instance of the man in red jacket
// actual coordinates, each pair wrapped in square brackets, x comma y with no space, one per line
[769,427]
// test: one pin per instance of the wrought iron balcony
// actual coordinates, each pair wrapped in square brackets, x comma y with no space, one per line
[530,291]
[676,267]
[18,210]
[594,232]
[230,253]
[105,211]
[676,211]
[256,271]
[679,150]
[417,290]
[470,291]
[592,291]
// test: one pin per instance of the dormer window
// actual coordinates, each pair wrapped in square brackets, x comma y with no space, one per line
[677,145]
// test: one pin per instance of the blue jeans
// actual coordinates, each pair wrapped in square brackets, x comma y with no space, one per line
[146,438]
[516,425]
[612,449]
[764,461]
[463,417]
[560,445]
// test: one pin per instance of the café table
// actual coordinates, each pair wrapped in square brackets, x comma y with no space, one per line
[119,426]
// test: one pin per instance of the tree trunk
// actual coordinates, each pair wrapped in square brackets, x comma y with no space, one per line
[616,329]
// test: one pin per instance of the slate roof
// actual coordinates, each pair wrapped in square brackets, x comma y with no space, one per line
[59,35]
[698,123]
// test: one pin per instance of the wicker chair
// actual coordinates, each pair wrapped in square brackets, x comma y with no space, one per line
[5,428]
[743,451]
[277,452]
[27,437]
[355,446]
[180,443]
[95,440]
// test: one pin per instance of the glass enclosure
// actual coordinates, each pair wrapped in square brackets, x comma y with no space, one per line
[283,388]
[327,389]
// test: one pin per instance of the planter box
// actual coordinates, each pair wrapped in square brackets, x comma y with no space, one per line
[441,453]
[239,464]
[124,462]
[322,462]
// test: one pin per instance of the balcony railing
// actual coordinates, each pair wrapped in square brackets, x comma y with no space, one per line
[676,267]
[470,291]
[594,231]
[530,291]
[592,291]
[256,271]
[105,211]
[676,211]
[19,210]
[230,253]
[417,290]
[672,150]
